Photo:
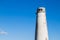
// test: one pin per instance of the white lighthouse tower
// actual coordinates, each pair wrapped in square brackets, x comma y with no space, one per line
[41,25]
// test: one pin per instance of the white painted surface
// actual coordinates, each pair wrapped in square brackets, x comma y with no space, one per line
[42,33]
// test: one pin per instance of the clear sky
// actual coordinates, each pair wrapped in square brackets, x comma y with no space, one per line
[18,19]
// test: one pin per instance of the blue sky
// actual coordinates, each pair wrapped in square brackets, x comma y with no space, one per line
[18,18]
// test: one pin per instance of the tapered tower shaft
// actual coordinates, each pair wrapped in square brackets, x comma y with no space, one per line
[41,25]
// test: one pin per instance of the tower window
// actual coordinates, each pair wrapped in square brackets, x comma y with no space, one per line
[41,9]
[45,38]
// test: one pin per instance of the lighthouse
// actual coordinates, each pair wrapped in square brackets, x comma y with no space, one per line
[41,24]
